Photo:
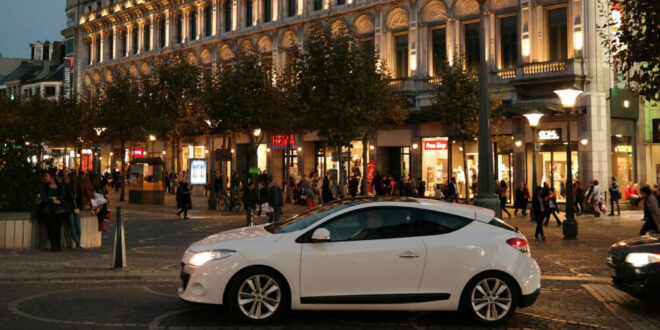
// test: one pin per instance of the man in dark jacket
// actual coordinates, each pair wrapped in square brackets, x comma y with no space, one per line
[250,199]
[275,201]
[540,208]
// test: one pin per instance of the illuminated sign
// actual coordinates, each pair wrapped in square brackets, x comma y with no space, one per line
[623,148]
[68,77]
[436,145]
[198,171]
[283,141]
[139,153]
[550,134]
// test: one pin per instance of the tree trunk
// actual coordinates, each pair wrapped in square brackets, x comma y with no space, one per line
[450,159]
[123,170]
[364,184]
[466,173]
[287,177]
[173,151]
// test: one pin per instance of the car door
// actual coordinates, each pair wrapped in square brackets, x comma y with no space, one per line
[373,256]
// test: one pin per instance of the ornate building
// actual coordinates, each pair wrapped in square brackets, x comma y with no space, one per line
[532,48]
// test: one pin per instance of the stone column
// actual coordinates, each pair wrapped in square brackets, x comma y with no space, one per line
[141,42]
[115,41]
[153,26]
[129,40]
[185,21]
[200,22]
[92,53]
[169,27]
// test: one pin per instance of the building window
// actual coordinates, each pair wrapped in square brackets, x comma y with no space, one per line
[69,46]
[248,13]
[208,21]
[318,4]
[401,56]
[509,41]
[70,19]
[124,43]
[179,29]
[112,45]
[146,38]
[557,34]
[161,34]
[227,16]
[193,24]
[89,53]
[98,50]
[134,39]
[50,90]
[268,10]
[472,46]
[341,2]
[439,49]
[291,7]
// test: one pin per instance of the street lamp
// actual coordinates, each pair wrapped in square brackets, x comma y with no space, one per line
[153,140]
[568,97]
[486,196]
[533,118]
[97,162]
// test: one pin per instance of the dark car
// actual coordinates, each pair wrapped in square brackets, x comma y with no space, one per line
[636,266]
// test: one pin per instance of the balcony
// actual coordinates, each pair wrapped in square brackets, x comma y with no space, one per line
[541,70]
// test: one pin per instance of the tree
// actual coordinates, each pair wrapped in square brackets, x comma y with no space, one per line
[172,99]
[636,40]
[242,99]
[343,93]
[119,109]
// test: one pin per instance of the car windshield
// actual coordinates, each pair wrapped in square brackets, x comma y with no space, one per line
[303,220]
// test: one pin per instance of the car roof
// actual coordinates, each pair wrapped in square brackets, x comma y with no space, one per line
[470,211]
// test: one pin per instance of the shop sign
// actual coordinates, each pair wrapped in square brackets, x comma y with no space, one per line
[68,77]
[436,145]
[623,148]
[138,153]
[255,170]
[550,134]
[198,171]
[283,141]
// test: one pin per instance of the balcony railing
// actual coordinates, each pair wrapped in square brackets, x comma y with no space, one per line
[396,83]
[506,74]
[544,67]
[435,81]
[540,70]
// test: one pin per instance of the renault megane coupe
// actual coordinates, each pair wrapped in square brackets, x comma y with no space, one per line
[367,254]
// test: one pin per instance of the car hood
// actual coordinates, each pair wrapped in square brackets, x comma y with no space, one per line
[647,240]
[233,239]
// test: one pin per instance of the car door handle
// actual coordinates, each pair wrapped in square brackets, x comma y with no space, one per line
[409,255]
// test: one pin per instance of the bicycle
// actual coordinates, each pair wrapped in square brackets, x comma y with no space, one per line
[229,203]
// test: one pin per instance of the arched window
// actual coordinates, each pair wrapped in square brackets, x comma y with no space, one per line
[208,21]
[192,23]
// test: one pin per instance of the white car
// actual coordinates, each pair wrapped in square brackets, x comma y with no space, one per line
[367,254]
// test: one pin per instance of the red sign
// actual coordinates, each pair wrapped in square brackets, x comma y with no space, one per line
[436,145]
[138,153]
[283,141]
[371,174]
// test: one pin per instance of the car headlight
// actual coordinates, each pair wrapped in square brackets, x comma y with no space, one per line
[642,259]
[199,258]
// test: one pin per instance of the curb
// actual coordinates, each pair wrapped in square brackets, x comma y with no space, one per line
[110,275]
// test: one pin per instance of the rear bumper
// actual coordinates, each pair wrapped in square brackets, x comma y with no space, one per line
[529,299]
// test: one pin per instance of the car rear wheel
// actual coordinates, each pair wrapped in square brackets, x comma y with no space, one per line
[258,295]
[490,299]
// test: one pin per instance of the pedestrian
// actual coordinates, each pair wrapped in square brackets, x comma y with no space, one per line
[308,192]
[376,184]
[551,202]
[235,184]
[183,200]
[263,198]
[452,191]
[502,192]
[52,195]
[651,212]
[539,208]
[475,185]
[276,202]
[594,198]
[74,197]
[421,188]
[353,184]
[578,195]
[100,202]
[250,199]
[521,196]
[326,191]
[615,195]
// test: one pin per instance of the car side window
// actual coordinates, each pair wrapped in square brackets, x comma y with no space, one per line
[436,223]
[372,223]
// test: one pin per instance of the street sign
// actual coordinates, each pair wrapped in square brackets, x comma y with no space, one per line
[255,170]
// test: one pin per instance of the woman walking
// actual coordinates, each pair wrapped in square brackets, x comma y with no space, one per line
[183,200]
[52,195]
[539,208]
[502,194]
[74,196]
[594,199]
[551,201]
[521,199]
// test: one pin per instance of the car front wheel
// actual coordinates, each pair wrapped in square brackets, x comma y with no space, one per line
[490,299]
[258,296]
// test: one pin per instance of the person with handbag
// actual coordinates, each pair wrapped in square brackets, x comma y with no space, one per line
[74,197]
[53,209]
[551,201]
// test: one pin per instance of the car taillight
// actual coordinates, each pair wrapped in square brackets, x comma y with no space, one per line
[519,243]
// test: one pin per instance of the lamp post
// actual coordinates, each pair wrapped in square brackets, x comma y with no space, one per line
[568,97]
[212,201]
[97,161]
[533,118]
[486,197]
[153,141]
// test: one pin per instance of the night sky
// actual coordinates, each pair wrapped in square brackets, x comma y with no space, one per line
[23,22]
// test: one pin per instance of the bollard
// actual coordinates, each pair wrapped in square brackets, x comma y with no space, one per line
[119,252]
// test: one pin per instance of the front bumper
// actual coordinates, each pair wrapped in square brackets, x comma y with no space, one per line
[640,282]
[529,299]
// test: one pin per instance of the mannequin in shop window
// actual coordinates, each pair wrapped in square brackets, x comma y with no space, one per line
[460,175]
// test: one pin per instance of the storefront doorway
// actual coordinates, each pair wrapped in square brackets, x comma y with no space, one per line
[552,159]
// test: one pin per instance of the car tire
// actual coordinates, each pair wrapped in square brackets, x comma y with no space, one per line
[490,298]
[258,295]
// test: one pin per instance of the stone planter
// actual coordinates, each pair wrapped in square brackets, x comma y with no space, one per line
[22,230]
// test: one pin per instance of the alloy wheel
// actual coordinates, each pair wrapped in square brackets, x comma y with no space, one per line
[259,296]
[491,299]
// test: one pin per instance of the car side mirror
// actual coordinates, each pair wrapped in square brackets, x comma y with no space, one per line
[321,235]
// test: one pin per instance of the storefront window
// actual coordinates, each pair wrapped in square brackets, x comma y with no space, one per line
[622,159]
[553,158]
[434,163]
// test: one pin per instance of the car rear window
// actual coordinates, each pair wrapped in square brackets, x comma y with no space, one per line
[500,223]
[435,223]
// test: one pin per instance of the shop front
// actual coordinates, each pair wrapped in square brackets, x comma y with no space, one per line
[434,163]
[551,159]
